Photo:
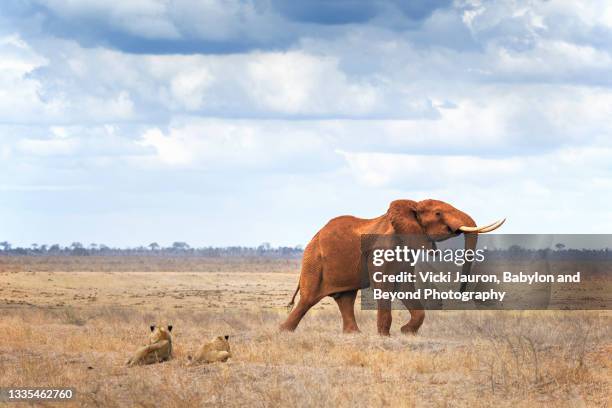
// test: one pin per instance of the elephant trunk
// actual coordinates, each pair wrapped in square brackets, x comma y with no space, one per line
[470,243]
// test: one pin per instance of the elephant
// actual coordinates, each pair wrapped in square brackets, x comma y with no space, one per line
[331,261]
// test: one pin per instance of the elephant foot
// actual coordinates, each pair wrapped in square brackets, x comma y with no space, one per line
[409,329]
[286,328]
[351,329]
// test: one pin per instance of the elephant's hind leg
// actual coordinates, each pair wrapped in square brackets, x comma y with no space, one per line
[296,315]
[310,282]
[346,304]
[417,314]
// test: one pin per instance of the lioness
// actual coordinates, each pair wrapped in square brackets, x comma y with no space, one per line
[159,348]
[215,350]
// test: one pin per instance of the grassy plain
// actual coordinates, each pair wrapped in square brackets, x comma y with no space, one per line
[74,321]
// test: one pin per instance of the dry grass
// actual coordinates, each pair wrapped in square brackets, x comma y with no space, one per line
[476,359]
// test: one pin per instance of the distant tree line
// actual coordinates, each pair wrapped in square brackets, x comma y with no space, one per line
[153,249]
[180,248]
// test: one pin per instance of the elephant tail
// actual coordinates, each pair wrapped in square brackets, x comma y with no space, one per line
[290,304]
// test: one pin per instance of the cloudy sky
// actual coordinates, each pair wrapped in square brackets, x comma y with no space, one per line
[242,121]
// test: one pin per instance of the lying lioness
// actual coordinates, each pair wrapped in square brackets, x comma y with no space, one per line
[159,348]
[215,350]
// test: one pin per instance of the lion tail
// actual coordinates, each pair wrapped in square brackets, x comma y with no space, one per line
[290,304]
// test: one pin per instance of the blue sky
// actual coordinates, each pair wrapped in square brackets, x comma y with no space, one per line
[239,122]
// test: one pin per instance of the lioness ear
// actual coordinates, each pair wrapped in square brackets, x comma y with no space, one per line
[169,327]
[226,337]
[152,327]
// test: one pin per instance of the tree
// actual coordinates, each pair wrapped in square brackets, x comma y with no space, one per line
[559,246]
[180,246]
[6,246]
[78,249]
[264,246]
[34,247]
[93,246]
[154,246]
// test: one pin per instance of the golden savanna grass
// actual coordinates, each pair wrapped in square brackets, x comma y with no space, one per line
[63,327]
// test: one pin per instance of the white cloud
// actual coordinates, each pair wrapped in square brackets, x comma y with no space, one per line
[431,171]
[169,149]
[19,94]
[296,82]
[553,60]
[27,96]
[48,147]
[591,13]
[101,85]
[188,88]
[234,146]
[18,58]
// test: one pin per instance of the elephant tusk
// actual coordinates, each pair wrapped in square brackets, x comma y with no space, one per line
[483,229]
[475,229]
[492,228]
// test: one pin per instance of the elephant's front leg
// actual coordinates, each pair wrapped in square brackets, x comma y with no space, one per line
[384,317]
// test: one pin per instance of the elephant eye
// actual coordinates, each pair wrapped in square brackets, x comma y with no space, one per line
[438,213]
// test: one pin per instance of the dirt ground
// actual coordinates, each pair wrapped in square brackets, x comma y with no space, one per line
[74,322]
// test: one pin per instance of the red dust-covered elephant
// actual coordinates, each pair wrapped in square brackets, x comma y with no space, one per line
[330,266]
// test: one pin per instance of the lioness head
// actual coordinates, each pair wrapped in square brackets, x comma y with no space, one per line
[221,343]
[218,349]
[159,333]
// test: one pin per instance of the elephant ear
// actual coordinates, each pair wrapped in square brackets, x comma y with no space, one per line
[402,215]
